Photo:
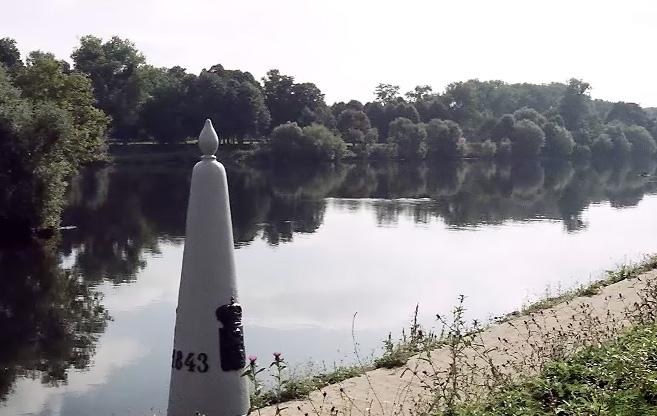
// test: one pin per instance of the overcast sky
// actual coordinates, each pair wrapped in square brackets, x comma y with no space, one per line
[346,47]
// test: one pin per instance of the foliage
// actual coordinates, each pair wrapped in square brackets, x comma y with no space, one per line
[503,128]
[559,142]
[10,56]
[526,113]
[44,140]
[311,143]
[289,101]
[443,139]
[113,68]
[574,106]
[386,93]
[527,139]
[615,379]
[643,144]
[410,138]
[355,128]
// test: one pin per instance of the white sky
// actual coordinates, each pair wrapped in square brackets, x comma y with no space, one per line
[346,47]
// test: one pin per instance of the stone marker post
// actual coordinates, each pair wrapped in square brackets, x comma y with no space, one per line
[208,348]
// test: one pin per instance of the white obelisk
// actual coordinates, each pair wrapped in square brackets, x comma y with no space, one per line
[208,348]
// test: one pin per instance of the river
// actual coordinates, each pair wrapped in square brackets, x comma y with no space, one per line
[329,259]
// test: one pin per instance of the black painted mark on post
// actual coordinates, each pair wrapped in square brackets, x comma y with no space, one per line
[231,336]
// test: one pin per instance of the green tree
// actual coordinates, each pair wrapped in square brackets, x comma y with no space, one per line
[44,79]
[46,133]
[10,56]
[643,144]
[431,108]
[288,101]
[355,128]
[386,93]
[167,113]
[113,67]
[443,139]
[419,93]
[233,102]
[628,113]
[410,138]
[622,147]
[575,104]
[503,128]
[312,143]
[527,113]
[559,142]
[527,139]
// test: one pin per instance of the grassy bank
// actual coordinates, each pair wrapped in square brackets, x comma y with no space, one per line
[497,367]
[618,378]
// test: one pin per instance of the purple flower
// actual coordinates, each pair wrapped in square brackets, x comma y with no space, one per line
[277,356]
[252,359]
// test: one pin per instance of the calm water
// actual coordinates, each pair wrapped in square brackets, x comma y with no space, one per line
[314,247]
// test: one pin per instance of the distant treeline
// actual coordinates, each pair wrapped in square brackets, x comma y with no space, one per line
[54,117]
[474,118]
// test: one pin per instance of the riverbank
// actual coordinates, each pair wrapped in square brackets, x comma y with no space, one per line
[476,362]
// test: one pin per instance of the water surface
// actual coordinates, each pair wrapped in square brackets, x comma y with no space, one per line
[319,250]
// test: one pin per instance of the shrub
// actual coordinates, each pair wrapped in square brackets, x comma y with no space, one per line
[643,144]
[312,143]
[558,141]
[443,139]
[527,113]
[410,138]
[527,139]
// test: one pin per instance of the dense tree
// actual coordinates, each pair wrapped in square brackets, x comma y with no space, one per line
[574,106]
[527,139]
[628,113]
[503,128]
[559,143]
[288,101]
[113,67]
[527,113]
[166,114]
[410,138]
[44,79]
[355,128]
[42,141]
[311,143]
[621,146]
[419,93]
[10,56]
[232,100]
[443,139]
[386,93]
[431,108]
[643,144]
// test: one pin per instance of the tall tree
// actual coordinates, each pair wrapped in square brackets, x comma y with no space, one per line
[292,102]
[419,93]
[10,56]
[575,104]
[113,67]
[386,93]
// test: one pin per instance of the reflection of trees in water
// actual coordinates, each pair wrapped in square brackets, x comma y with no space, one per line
[123,212]
[49,320]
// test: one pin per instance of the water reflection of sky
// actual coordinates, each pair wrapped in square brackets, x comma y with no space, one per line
[300,297]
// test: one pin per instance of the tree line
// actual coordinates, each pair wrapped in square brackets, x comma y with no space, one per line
[474,118]
[56,116]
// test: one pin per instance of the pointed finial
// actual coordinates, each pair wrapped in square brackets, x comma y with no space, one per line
[208,140]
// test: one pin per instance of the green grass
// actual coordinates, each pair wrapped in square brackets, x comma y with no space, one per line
[624,272]
[295,388]
[616,379]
